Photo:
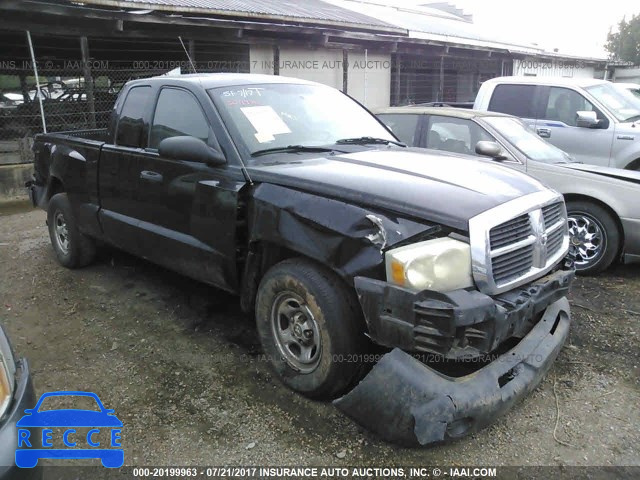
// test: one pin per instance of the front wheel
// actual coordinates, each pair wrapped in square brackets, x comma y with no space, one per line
[595,238]
[311,328]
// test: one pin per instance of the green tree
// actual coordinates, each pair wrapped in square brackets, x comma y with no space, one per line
[625,43]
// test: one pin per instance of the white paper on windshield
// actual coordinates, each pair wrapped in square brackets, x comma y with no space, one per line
[264,137]
[266,122]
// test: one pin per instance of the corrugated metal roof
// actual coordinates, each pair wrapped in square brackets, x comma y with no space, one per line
[310,11]
[432,24]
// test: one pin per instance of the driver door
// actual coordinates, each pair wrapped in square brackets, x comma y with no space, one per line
[557,125]
[192,206]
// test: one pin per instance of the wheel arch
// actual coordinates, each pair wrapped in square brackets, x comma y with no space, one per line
[263,255]
[633,165]
[577,197]
[55,186]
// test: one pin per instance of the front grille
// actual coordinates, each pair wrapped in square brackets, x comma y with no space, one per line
[554,242]
[527,242]
[551,213]
[513,264]
[510,232]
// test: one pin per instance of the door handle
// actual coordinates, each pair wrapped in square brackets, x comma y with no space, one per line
[151,176]
[544,132]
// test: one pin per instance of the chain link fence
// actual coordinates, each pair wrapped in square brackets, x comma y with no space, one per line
[449,79]
[80,94]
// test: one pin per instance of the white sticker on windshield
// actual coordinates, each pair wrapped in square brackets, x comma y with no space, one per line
[266,121]
[264,137]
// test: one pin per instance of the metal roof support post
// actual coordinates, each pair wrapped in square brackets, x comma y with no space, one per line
[88,80]
[441,87]
[276,60]
[365,77]
[35,71]
[345,71]
[396,80]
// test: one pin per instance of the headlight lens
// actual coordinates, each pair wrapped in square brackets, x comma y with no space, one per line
[442,264]
[7,373]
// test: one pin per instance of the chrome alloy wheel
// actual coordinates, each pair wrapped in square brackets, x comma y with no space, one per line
[296,332]
[61,232]
[588,239]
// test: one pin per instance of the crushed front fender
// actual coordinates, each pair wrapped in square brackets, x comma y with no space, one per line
[404,401]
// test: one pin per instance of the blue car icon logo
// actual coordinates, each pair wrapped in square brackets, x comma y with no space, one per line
[36,444]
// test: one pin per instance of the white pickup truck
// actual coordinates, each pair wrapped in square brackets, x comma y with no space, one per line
[594,121]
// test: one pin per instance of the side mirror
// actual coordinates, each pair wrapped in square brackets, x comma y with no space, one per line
[490,149]
[191,149]
[587,119]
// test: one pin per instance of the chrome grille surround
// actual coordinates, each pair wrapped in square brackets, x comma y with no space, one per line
[519,253]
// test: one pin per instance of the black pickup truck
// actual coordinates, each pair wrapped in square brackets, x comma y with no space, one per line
[340,239]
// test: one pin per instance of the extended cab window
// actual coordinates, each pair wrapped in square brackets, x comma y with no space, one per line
[563,104]
[454,134]
[403,126]
[178,113]
[130,131]
[514,99]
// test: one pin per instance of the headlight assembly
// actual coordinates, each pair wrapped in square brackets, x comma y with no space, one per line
[442,264]
[7,373]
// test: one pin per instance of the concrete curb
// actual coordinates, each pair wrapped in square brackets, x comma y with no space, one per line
[12,178]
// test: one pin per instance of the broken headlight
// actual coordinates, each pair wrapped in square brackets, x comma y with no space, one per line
[441,264]
[7,373]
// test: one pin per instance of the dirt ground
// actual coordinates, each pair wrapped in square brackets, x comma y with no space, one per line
[180,365]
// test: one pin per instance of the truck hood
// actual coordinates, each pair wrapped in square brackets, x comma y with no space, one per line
[618,173]
[445,188]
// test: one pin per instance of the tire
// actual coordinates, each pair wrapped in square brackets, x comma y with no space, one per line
[73,249]
[595,237]
[323,357]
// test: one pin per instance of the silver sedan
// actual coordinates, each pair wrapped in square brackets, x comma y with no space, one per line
[603,203]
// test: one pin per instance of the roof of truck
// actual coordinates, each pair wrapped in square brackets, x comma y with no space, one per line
[214,80]
[561,81]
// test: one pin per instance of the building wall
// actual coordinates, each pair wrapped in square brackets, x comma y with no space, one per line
[261,59]
[537,67]
[626,75]
[318,65]
[369,80]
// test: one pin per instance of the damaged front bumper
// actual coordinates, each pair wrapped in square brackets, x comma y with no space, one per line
[457,324]
[406,402]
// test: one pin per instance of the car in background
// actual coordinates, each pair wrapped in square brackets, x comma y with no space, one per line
[592,120]
[632,87]
[16,395]
[603,204]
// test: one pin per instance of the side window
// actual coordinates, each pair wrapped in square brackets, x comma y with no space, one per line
[564,103]
[403,126]
[131,123]
[178,113]
[514,99]
[454,135]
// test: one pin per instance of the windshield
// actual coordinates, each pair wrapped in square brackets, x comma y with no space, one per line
[518,134]
[620,102]
[272,116]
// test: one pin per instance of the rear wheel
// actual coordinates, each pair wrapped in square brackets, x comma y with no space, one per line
[311,328]
[595,238]
[73,249]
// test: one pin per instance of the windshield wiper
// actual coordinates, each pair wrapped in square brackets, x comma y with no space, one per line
[368,141]
[291,149]
[634,118]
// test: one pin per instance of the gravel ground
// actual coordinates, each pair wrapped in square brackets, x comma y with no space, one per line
[181,366]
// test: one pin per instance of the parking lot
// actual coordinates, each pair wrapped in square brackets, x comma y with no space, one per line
[182,368]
